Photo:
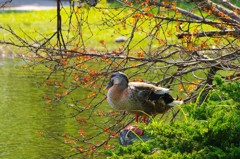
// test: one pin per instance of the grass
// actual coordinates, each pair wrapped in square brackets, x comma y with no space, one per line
[43,23]
[97,28]
[98,31]
[31,23]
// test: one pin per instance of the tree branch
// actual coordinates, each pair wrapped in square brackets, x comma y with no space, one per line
[232,7]
[186,13]
[234,33]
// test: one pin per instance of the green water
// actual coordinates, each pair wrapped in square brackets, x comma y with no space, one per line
[24,114]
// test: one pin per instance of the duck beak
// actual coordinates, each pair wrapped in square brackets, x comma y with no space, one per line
[108,86]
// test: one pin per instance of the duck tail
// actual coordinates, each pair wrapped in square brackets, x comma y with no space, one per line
[175,103]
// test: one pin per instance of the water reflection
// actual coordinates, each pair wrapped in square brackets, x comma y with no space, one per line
[24,116]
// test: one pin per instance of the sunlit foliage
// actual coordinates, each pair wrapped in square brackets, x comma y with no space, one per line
[178,45]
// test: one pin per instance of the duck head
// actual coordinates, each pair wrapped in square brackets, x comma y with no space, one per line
[118,78]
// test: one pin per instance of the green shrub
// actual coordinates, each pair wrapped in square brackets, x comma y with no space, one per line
[211,131]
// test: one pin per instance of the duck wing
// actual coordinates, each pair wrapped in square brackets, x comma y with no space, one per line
[155,94]
[151,92]
[154,99]
[146,88]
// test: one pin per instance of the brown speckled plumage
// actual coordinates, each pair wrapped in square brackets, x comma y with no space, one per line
[138,97]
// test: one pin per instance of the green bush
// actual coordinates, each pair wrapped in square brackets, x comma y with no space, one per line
[212,130]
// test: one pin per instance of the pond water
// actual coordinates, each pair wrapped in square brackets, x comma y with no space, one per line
[25,118]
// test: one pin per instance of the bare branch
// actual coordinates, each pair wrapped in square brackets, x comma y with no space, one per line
[2,5]
[234,33]
[232,7]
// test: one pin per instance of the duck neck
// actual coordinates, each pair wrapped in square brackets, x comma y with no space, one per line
[115,93]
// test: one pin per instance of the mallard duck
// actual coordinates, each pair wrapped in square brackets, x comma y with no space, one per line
[138,97]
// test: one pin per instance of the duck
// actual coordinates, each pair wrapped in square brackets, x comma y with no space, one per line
[138,98]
